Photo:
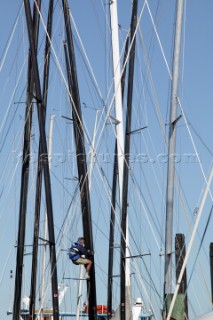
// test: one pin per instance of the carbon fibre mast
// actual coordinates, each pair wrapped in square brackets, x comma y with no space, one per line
[80,154]
[25,174]
[124,280]
[113,202]
[171,151]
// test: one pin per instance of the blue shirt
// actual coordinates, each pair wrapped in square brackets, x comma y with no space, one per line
[77,250]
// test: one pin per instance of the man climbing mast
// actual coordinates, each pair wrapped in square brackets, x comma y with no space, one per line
[80,255]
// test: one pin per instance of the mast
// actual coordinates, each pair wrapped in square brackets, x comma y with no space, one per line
[119,142]
[124,285]
[171,152]
[80,154]
[117,94]
[25,174]
[92,156]
[113,201]
[45,164]
[44,249]
[39,169]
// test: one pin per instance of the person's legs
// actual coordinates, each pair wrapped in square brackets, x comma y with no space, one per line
[87,263]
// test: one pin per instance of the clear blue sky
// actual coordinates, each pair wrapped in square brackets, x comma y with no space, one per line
[148,168]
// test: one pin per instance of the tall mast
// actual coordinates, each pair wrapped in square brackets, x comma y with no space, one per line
[25,174]
[171,151]
[113,201]
[124,286]
[117,94]
[119,148]
[80,154]
[44,249]
[45,164]
[92,155]
[39,169]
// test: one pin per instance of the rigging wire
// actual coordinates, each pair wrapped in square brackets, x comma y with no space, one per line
[194,146]
[5,266]
[200,138]
[158,38]
[199,249]
[11,37]
[87,61]
[12,95]
[183,45]
[98,18]
[154,94]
